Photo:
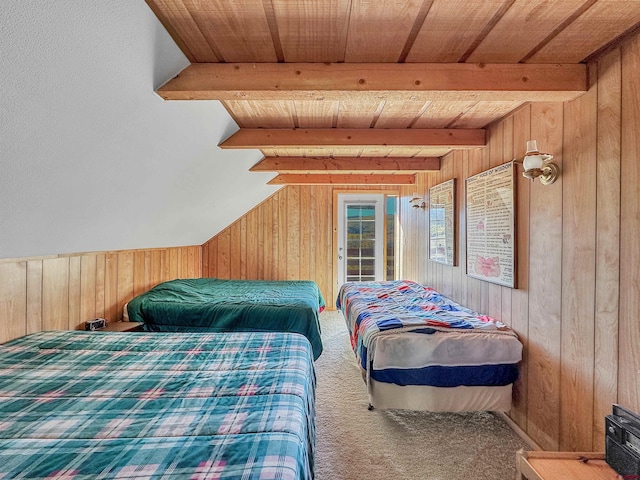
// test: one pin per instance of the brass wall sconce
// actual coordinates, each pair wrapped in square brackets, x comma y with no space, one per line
[418,202]
[539,165]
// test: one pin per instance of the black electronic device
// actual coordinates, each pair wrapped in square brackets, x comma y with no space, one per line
[95,324]
[622,447]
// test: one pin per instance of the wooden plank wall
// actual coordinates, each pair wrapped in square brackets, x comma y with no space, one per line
[289,236]
[578,297]
[62,292]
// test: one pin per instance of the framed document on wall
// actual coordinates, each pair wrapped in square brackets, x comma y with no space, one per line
[442,231]
[490,217]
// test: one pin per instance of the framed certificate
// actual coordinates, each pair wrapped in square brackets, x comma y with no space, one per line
[490,199]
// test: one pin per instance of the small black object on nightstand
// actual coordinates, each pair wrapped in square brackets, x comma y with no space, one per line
[95,324]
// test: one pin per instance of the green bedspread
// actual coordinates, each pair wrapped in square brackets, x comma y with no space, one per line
[215,305]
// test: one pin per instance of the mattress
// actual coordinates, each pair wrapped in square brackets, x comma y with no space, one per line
[91,405]
[417,347]
[216,305]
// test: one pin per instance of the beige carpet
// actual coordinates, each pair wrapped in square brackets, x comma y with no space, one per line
[354,443]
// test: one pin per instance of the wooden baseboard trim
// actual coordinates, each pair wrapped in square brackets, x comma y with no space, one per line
[521,433]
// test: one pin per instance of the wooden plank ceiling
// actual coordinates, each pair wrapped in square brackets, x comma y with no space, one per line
[356,91]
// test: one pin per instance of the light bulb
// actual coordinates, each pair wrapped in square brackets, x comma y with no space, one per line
[532,161]
[533,158]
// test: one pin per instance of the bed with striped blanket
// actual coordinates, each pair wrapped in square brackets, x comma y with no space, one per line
[89,405]
[420,350]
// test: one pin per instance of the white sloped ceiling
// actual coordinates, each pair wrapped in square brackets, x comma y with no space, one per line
[91,158]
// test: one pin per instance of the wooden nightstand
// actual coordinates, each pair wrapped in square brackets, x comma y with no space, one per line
[539,465]
[122,327]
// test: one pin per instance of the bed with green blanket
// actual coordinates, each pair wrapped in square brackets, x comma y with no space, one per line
[217,305]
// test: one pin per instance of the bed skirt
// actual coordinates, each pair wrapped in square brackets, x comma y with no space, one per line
[439,399]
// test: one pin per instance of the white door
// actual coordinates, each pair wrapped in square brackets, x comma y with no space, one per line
[360,238]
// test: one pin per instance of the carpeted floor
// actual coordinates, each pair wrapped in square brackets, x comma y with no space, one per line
[354,443]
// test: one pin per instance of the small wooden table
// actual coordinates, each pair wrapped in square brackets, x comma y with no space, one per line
[539,465]
[122,327]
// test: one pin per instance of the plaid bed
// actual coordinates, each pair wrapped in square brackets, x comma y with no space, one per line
[80,405]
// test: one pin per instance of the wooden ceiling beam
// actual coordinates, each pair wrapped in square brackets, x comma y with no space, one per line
[343,179]
[378,81]
[307,164]
[354,137]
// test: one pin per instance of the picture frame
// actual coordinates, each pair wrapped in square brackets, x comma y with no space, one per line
[490,225]
[442,226]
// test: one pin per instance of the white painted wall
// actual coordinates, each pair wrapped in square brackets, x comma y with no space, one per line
[91,158]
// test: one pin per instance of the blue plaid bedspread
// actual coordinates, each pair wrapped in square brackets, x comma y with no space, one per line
[92,405]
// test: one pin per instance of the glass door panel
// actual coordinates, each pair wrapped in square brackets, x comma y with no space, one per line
[361,238]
